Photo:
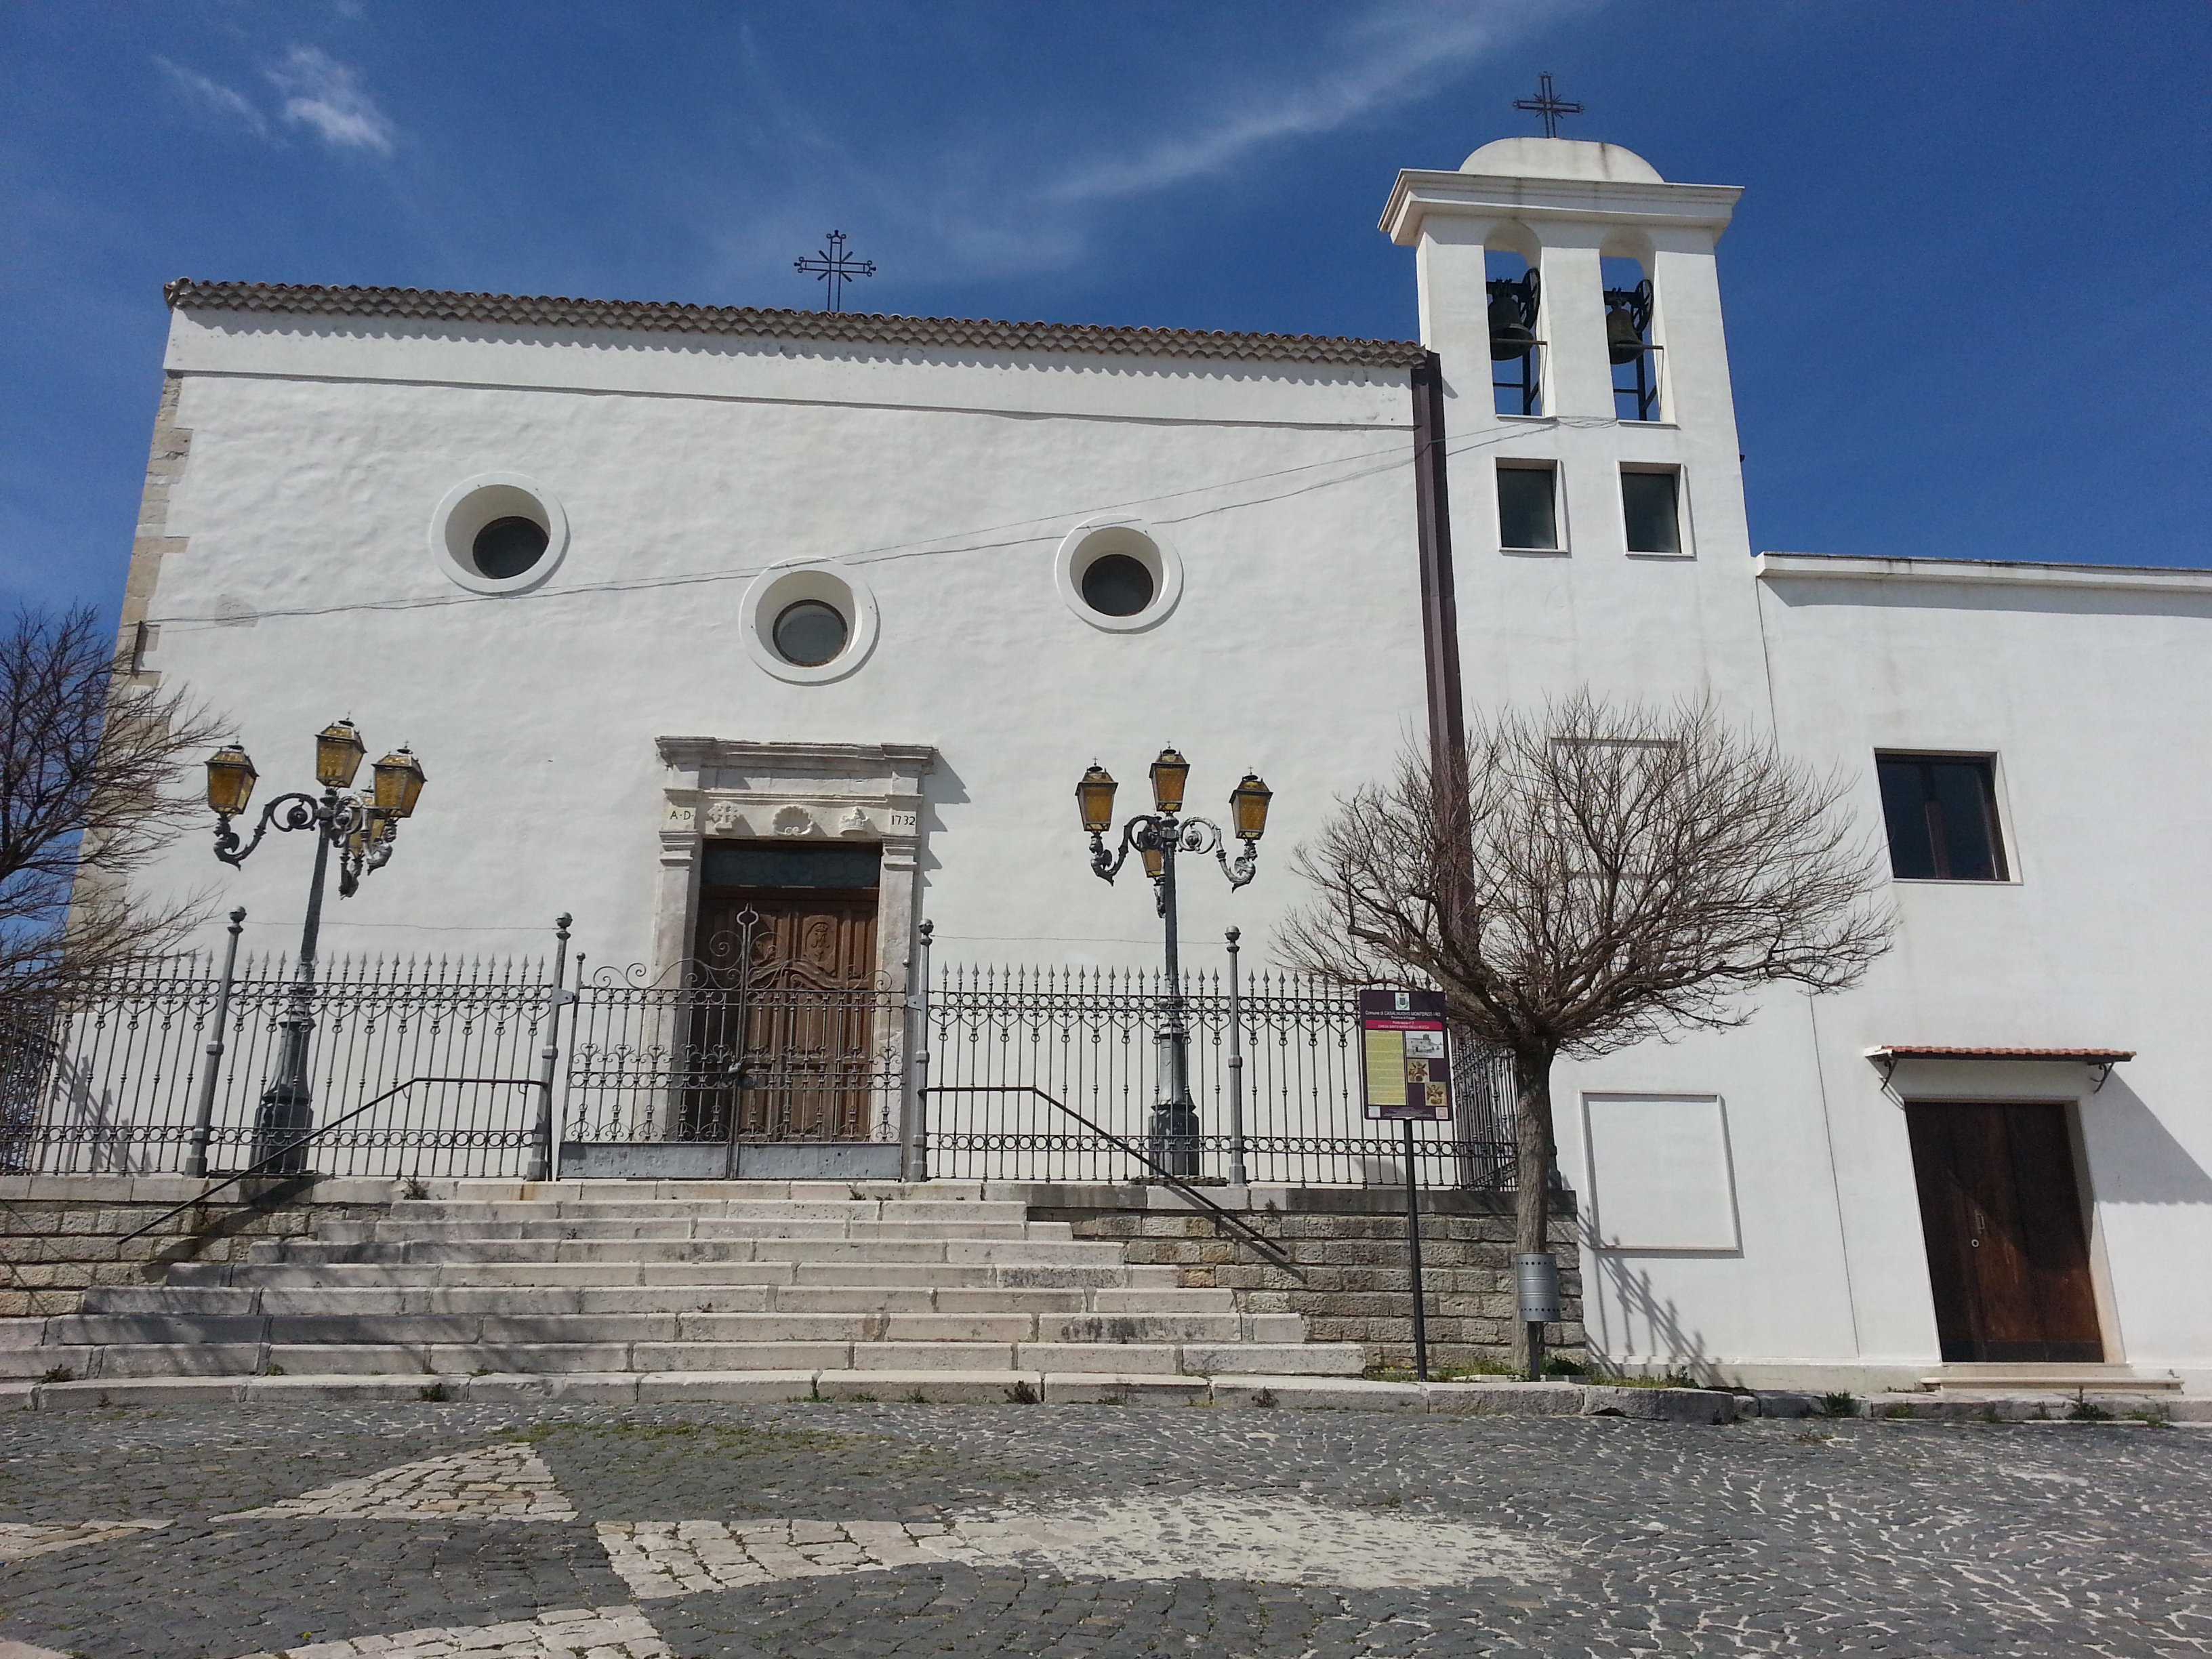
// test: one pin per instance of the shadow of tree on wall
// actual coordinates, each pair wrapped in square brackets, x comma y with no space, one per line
[1629,1289]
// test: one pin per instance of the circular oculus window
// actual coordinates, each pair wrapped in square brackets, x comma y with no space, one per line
[506,548]
[809,633]
[499,532]
[808,624]
[1117,575]
[1115,584]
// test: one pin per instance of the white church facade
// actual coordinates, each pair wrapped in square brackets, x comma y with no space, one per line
[662,593]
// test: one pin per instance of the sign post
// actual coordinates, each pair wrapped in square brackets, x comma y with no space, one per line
[1404,1052]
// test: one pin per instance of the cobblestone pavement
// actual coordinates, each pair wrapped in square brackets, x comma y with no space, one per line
[437,1531]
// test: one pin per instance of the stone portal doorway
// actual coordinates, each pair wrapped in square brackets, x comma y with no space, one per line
[2007,1252]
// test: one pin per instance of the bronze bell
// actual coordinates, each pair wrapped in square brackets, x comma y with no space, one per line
[1513,304]
[1509,336]
[1624,340]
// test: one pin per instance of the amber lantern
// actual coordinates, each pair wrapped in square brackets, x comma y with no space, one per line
[1247,807]
[399,782]
[230,779]
[1169,773]
[1155,860]
[1094,797]
[338,750]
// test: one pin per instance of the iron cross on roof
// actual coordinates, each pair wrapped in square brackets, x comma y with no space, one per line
[835,268]
[1548,105]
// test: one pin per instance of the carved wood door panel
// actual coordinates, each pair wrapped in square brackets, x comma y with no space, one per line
[785,1026]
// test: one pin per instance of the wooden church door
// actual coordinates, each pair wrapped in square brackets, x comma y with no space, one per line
[2007,1256]
[784,1025]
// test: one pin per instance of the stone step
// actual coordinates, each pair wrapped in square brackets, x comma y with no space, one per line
[1994,1379]
[670,1228]
[663,1209]
[1295,1391]
[504,1327]
[1037,1252]
[335,1300]
[150,1360]
[972,1275]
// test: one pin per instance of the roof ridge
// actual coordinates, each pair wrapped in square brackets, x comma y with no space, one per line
[665,316]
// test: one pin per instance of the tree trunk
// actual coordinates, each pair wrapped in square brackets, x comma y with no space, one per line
[1534,1156]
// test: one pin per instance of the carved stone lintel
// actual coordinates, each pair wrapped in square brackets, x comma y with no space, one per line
[855,792]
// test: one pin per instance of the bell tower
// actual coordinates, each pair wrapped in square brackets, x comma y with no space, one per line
[1571,296]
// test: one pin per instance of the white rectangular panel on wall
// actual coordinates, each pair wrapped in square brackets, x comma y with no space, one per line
[1660,1175]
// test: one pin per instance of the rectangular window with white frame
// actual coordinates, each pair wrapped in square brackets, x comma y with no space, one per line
[1529,508]
[1940,812]
[1653,511]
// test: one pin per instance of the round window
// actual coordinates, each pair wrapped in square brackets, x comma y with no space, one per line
[1117,576]
[499,532]
[810,633]
[507,547]
[1116,585]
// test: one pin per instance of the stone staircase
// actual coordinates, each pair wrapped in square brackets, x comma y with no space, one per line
[733,1290]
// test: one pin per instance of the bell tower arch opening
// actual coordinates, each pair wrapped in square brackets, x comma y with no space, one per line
[1516,294]
[1630,346]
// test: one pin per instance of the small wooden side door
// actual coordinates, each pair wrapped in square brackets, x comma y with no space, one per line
[2001,1211]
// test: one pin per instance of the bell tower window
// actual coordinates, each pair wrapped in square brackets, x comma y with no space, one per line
[1516,353]
[1628,344]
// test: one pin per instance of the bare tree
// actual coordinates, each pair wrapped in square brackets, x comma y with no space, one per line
[1586,878]
[90,769]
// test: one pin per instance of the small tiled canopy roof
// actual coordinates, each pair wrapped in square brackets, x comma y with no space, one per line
[2085,1056]
[851,326]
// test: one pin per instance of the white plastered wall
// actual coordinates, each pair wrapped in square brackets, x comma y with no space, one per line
[2090,687]
[947,480]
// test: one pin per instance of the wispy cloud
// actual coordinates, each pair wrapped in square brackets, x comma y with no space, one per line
[1392,56]
[215,97]
[324,95]
[946,217]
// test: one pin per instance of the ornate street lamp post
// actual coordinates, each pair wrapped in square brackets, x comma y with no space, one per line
[362,827]
[1158,837]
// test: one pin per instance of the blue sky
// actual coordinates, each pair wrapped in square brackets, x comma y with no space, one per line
[1969,307]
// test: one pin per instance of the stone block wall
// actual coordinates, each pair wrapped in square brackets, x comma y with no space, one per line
[1350,1243]
[60,1235]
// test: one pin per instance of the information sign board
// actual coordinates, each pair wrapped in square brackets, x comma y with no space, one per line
[1404,1052]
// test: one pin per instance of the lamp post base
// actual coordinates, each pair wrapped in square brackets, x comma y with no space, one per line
[286,1113]
[1172,1142]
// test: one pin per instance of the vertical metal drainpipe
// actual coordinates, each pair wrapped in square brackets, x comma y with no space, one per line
[1440,626]
[1432,529]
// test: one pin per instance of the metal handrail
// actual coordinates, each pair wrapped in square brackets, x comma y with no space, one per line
[1259,1241]
[287,1150]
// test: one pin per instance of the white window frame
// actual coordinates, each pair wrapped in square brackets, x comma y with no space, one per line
[1684,520]
[1532,464]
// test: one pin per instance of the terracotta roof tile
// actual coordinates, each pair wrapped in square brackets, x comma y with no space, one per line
[2091,1056]
[967,333]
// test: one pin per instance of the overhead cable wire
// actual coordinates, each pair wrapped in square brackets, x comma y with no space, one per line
[1389,460]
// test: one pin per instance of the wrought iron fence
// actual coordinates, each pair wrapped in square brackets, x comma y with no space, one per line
[128,1074]
[1089,1038]
[750,1046]
[134,1071]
